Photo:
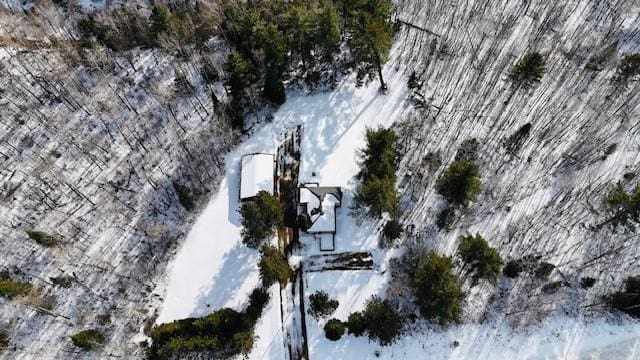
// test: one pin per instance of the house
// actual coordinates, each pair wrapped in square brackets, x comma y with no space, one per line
[317,209]
[257,173]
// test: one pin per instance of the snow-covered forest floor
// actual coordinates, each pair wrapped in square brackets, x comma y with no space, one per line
[90,155]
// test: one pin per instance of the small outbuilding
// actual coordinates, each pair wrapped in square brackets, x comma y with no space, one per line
[257,174]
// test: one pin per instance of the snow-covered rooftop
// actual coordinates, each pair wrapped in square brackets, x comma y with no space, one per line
[321,203]
[256,175]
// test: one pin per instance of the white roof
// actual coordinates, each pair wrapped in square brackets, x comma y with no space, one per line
[256,175]
[325,221]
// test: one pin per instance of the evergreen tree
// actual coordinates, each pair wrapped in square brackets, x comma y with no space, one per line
[528,71]
[460,183]
[299,22]
[484,260]
[273,266]
[334,329]
[625,206]
[158,21]
[260,216]
[320,304]
[370,36]
[629,67]
[376,191]
[382,322]
[436,290]
[392,230]
[327,39]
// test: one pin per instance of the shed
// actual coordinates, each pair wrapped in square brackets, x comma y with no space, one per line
[257,174]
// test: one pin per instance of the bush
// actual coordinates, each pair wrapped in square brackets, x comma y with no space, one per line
[185,196]
[62,281]
[436,290]
[543,270]
[628,68]
[334,329]
[460,183]
[258,299]
[4,341]
[42,238]
[224,334]
[376,192]
[484,260]
[528,71]
[356,324]
[383,324]
[552,287]
[10,288]
[273,266]
[321,305]
[260,217]
[90,339]
[392,230]
[587,282]
[512,269]
[625,206]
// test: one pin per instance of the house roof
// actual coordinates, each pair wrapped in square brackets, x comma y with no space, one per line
[321,203]
[257,173]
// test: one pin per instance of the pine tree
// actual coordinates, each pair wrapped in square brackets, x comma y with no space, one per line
[327,39]
[158,21]
[371,35]
[260,216]
[436,290]
[273,266]
[485,261]
[460,183]
[376,191]
[528,71]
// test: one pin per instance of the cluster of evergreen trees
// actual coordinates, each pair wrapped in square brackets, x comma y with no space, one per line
[224,334]
[260,217]
[378,320]
[270,38]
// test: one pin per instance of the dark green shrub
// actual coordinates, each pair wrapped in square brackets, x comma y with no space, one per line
[158,21]
[436,290]
[11,288]
[260,216]
[628,68]
[587,282]
[62,281]
[273,267]
[485,261]
[543,270]
[376,192]
[392,230]
[512,269]
[624,206]
[383,324]
[334,329]
[185,196]
[258,299]
[356,324]
[224,334]
[320,304]
[528,71]
[42,238]
[90,339]
[4,341]
[460,183]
